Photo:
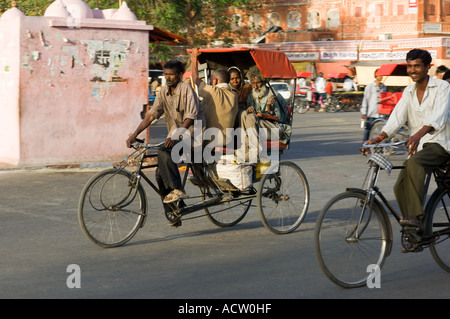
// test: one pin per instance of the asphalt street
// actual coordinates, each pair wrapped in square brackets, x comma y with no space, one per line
[43,245]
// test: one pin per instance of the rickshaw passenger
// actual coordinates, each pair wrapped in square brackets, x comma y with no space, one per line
[262,100]
[219,102]
[242,90]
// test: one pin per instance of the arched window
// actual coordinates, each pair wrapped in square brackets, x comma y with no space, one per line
[274,19]
[333,18]
[293,20]
[254,22]
[313,19]
[236,22]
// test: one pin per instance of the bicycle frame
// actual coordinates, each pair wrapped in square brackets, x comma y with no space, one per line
[205,181]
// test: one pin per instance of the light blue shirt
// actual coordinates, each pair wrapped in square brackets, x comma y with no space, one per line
[371,98]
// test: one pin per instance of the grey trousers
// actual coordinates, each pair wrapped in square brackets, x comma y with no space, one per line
[409,189]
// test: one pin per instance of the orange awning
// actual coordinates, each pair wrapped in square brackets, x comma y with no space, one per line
[272,64]
[392,69]
[333,67]
[303,74]
[160,36]
[336,75]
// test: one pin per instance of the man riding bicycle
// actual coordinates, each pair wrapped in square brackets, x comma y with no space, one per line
[425,105]
[178,101]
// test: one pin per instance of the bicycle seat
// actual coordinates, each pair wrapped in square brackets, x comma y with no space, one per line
[443,171]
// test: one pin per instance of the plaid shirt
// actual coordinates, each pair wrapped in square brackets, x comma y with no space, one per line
[181,105]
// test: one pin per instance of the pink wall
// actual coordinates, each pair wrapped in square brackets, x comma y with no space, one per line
[71,95]
[9,93]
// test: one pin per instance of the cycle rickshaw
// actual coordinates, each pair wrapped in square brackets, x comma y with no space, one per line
[113,205]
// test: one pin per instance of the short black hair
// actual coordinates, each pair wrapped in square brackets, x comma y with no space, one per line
[222,75]
[175,64]
[441,69]
[415,54]
[446,75]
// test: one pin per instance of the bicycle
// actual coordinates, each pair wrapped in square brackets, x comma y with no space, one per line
[354,231]
[113,204]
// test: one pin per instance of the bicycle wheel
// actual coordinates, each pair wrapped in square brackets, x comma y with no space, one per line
[400,135]
[228,213]
[438,223]
[346,247]
[112,208]
[302,107]
[283,198]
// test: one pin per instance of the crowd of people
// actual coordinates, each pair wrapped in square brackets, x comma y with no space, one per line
[319,90]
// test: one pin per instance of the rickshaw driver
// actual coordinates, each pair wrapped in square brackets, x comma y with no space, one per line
[178,101]
[425,104]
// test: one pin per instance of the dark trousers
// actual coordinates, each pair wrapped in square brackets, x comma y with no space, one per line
[368,127]
[167,175]
[410,186]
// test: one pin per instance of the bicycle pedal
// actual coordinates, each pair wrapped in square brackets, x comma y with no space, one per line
[176,223]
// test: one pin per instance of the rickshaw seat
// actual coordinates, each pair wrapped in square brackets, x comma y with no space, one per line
[386,103]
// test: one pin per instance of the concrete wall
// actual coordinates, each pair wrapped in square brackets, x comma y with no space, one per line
[70,94]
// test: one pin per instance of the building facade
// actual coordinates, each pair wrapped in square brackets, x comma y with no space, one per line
[348,36]
[333,20]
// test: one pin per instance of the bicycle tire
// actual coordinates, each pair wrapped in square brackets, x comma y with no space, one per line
[343,257]
[303,107]
[228,213]
[283,198]
[438,220]
[112,207]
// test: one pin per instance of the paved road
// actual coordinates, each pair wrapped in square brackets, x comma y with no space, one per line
[41,237]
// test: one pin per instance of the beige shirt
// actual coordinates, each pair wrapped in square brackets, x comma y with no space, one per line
[220,105]
[433,111]
[181,105]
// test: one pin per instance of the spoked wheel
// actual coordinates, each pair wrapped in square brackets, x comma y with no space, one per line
[302,107]
[349,239]
[400,135]
[112,208]
[283,198]
[438,223]
[229,212]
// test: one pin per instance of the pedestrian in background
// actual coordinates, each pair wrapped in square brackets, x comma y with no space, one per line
[370,103]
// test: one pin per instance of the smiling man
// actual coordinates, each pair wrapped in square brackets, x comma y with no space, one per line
[425,105]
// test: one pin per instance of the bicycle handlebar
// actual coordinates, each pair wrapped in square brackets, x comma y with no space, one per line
[141,143]
[383,144]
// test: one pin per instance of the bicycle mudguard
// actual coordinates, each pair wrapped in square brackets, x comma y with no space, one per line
[383,213]
[130,174]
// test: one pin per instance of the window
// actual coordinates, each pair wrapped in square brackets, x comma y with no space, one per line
[431,9]
[447,8]
[379,10]
[274,19]
[236,21]
[254,23]
[313,19]
[293,20]
[358,12]
[333,18]
[400,10]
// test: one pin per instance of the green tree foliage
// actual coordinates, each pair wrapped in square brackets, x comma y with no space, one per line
[192,19]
